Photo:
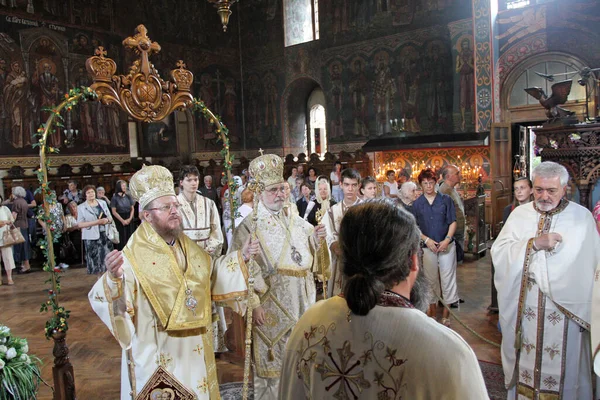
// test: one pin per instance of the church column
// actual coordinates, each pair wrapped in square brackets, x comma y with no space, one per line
[584,194]
[484,64]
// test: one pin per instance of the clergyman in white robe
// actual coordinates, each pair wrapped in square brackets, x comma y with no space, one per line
[544,301]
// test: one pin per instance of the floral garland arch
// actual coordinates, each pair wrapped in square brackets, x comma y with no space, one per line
[145,96]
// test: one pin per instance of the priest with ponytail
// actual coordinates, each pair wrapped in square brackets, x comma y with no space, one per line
[373,340]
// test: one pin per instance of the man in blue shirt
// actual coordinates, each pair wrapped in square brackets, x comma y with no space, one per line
[436,218]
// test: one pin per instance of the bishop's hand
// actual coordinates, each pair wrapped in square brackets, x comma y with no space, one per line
[258,316]
[250,249]
[114,263]
[320,232]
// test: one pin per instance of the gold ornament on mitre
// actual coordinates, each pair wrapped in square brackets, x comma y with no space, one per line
[150,183]
[267,169]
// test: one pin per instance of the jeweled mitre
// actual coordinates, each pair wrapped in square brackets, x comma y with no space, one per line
[267,169]
[150,183]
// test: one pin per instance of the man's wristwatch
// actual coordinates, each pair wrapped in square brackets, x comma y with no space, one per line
[449,238]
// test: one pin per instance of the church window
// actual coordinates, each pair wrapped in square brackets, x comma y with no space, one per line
[301,21]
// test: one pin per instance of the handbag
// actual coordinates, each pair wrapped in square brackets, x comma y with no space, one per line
[12,236]
[112,233]
[67,250]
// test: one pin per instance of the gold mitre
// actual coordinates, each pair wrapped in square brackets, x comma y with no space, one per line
[267,169]
[150,183]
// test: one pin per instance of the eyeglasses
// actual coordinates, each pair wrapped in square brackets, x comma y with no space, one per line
[428,183]
[167,208]
[275,190]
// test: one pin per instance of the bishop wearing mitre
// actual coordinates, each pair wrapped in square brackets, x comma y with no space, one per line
[155,298]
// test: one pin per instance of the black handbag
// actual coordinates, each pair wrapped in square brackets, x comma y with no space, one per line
[67,250]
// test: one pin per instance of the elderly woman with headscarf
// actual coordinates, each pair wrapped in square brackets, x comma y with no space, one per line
[227,209]
[323,199]
[21,251]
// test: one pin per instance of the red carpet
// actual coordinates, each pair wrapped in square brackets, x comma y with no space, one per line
[494,380]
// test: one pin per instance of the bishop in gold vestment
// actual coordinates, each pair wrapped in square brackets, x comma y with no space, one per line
[284,282]
[156,301]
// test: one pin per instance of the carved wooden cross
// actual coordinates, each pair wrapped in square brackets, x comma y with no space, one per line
[141,43]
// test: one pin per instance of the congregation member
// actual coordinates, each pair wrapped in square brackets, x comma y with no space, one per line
[72,233]
[374,342]
[122,208]
[73,194]
[155,296]
[284,285]
[436,218]
[311,178]
[201,223]
[350,182]
[451,178]
[307,202]
[336,179]
[101,193]
[226,206]
[546,257]
[323,200]
[246,208]
[301,171]
[523,194]
[390,186]
[208,190]
[407,195]
[368,188]
[20,209]
[296,193]
[292,178]
[92,218]
[289,206]
[6,220]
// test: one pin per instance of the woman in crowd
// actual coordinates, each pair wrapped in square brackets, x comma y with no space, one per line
[436,218]
[323,198]
[306,203]
[21,251]
[336,182]
[523,189]
[289,202]
[58,219]
[407,195]
[311,179]
[123,212]
[227,209]
[92,218]
[6,220]
[73,232]
[368,188]
[246,208]
[390,187]
[523,194]
[101,194]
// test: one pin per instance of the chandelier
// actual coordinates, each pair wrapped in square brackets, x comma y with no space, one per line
[224,10]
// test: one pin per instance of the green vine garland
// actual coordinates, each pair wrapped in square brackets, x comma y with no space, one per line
[58,321]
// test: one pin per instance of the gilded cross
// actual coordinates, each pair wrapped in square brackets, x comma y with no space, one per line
[100,51]
[261,151]
[181,64]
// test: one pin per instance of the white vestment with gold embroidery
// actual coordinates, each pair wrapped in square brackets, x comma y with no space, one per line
[549,353]
[391,353]
[284,284]
[188,355]
[202,224]
[332,221]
